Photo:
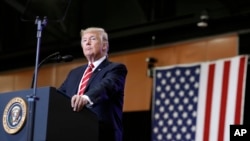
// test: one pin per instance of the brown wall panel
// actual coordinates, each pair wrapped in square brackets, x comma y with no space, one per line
[191,52]
[222,47]
[23,79]
[165,55]
[47,76]
[6,82]
[138,89]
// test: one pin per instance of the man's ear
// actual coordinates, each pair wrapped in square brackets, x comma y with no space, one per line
[104,46]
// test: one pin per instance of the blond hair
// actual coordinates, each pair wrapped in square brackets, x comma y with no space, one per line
[103,34]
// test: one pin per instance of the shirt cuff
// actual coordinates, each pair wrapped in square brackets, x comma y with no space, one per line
[86,97]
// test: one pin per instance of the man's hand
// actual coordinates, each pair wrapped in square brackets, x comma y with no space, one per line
[78,102]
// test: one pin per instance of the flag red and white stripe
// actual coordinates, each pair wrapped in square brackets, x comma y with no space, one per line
[221,98]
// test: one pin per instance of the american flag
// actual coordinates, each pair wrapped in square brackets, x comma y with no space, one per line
[198,102]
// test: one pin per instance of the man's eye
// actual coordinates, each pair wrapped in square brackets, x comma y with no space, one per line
[93,38]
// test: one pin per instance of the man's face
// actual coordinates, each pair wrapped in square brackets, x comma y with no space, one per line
[92,45]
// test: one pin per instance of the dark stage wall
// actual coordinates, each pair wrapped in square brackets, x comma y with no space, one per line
[137,126]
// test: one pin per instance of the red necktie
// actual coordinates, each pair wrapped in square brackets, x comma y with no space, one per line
[85,79]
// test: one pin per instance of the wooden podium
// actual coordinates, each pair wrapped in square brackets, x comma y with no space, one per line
[53,119]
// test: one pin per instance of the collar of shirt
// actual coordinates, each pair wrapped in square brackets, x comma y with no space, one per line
[98,62]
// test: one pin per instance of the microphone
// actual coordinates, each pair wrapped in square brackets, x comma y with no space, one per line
[58,58]
[65,58]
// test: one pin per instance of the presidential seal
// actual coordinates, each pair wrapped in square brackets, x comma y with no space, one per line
[14,115]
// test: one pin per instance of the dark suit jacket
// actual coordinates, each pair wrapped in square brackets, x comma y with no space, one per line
[105,89]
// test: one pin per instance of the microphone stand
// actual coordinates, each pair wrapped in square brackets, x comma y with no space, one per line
[38,66]
[57,57]
[32,98]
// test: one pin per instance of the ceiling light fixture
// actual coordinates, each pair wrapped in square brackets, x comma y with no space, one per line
[203,19]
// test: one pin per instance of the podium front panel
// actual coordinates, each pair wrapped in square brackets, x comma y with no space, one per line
[53,118]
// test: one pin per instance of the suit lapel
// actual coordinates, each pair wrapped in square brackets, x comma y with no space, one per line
[98,70]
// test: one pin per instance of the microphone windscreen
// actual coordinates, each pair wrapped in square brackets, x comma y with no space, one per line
[67,58]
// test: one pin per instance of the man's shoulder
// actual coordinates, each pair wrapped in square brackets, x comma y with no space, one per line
[117,65]
[110,63]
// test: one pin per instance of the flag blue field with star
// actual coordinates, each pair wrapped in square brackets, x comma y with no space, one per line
[175,103]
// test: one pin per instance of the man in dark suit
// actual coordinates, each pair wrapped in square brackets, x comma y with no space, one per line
[104,92]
